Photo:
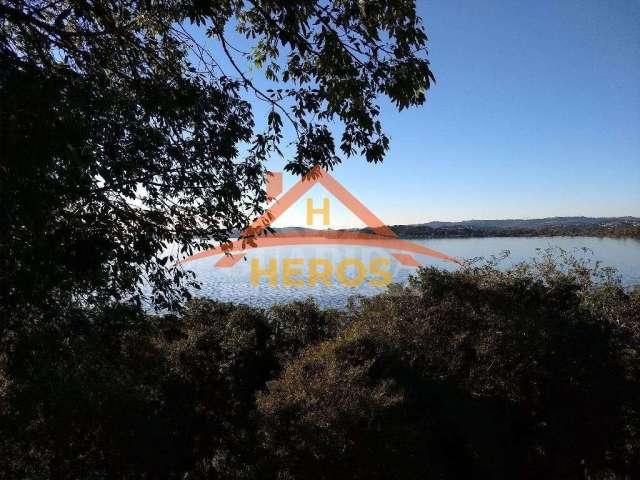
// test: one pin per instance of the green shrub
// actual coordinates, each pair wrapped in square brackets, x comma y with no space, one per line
[532,373]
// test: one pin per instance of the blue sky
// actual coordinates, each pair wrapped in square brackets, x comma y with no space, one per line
[535,113]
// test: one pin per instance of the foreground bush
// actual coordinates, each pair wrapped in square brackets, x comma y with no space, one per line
[477,374]
[530,373]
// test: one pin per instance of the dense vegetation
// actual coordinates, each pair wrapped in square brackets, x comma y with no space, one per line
[530,373]
[128,126]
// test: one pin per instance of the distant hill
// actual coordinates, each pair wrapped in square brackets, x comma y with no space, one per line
[536,222]
[553,226]
[537,227]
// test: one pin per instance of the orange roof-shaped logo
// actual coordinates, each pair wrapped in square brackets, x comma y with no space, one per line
[252,237]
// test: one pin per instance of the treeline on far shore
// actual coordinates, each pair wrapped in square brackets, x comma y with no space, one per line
[623,230]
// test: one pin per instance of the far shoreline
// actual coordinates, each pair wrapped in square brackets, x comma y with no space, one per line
[518,235]
[600,227]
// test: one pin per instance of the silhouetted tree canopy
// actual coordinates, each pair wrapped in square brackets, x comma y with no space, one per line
[129,126]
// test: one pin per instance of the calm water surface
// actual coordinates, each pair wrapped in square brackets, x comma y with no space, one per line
[233,284]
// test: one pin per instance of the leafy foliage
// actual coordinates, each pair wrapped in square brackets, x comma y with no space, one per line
[529,373]
[476,374]
[124,132]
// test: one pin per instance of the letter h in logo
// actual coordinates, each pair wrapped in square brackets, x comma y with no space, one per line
[324,211]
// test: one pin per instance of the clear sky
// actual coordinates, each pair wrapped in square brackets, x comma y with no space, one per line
[535,113]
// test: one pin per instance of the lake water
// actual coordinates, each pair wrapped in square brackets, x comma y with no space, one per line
[234,283]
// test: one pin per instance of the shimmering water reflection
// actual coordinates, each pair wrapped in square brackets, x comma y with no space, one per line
[234,284]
